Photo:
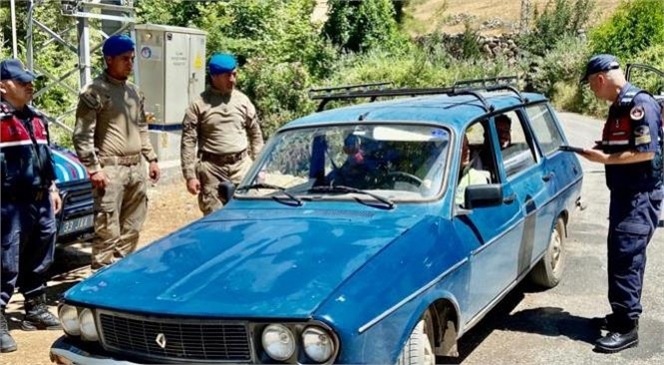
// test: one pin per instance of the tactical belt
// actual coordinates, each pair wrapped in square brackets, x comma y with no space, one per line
[224,159]
[120,160]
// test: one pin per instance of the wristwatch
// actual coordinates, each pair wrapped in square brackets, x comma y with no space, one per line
[153,160]
[53,189]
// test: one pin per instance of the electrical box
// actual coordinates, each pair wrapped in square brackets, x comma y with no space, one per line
[170,71]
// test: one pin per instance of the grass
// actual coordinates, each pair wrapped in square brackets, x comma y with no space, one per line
[429,15]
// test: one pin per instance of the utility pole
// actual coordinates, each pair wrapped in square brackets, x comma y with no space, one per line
[80,11]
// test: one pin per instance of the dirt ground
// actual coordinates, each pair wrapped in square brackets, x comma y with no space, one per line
[170,207]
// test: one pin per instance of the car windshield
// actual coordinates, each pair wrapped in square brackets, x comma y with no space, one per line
[391,161]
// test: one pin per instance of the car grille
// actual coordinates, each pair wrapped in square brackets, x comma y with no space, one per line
[175,339]
[77,198]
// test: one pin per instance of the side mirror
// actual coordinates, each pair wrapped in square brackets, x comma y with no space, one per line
[226,189]
[485,195]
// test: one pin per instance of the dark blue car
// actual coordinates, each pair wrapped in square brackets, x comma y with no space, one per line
[374,233]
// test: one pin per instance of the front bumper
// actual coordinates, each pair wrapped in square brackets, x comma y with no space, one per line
[68,352]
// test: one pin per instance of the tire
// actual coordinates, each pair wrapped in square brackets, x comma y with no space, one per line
[418,349]
[549,270]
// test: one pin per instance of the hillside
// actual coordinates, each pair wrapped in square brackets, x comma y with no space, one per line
[490,15]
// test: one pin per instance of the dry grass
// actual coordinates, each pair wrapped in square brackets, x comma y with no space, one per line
[428,14]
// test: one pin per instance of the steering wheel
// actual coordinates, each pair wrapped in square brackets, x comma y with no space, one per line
[400,175]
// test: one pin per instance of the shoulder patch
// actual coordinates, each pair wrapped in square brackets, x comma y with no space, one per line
[91,99]
[642,130]
[642,135]
[637,113]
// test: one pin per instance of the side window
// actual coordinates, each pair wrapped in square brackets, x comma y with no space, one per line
[515,144]
[545,129]
[475,155]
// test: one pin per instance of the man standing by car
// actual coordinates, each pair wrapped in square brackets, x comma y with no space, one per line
[30,201]
[111,138]
[224,126]
[631,148]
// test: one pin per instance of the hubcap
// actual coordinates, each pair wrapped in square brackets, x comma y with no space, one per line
[556,248]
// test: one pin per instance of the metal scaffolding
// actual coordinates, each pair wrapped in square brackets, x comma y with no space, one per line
[118,12]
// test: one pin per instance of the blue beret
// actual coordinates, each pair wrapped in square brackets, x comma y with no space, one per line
[117,45]
[600,63]
[221,63]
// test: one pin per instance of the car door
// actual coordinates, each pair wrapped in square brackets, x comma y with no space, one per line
[522,167]
[562,170]
[492,232]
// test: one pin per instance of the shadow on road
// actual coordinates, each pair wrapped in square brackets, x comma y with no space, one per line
[554,322]
[546,321]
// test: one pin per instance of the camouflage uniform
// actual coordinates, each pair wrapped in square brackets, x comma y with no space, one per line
[229,137]
[111,135]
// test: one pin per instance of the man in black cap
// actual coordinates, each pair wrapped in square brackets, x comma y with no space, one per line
[30,201]
[631,150]
[111,140]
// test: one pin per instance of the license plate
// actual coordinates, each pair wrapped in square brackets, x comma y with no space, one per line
[76,224]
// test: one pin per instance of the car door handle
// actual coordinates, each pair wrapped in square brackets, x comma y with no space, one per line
[509,199]
[548,177]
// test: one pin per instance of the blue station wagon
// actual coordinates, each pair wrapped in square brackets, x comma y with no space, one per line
[373,233]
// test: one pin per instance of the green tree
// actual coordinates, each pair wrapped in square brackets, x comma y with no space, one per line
[172,12]
[363,25]
[633,27]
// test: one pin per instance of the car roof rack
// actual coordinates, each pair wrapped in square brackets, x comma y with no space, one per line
[374,90]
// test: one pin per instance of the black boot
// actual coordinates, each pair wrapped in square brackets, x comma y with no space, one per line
[606,323]
[38,317]
[7,343]
[622,337]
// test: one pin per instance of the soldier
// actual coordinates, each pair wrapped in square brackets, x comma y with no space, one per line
[30,201]
[111,138]
[223,123]
[631,148]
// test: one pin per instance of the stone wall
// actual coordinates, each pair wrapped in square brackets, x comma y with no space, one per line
[504,45]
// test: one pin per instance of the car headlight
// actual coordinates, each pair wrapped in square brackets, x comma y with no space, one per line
[88,327]
[318,344]
[68,315]
[278,342]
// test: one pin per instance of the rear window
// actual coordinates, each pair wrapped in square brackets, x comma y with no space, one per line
[545,128]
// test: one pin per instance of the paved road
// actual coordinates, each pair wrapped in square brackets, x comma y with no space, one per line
[553,327]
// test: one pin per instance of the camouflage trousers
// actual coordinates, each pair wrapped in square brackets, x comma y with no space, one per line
[211,175]
[120,211]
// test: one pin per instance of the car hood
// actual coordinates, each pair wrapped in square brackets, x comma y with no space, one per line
[257,263]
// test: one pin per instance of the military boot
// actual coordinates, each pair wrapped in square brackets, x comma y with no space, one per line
[7,343]
[621,337]
[606,323]
[38,317]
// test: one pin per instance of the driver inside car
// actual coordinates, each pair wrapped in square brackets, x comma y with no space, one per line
[360,169]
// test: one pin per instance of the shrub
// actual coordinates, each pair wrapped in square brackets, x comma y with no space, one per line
[279,91]
[562,19]
[360,26]
[652,56]
[564,63]
[633,27]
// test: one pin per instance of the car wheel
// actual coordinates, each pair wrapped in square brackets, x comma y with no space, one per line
[549,270]
[417,350]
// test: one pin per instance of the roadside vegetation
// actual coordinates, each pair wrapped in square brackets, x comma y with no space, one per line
[283,52]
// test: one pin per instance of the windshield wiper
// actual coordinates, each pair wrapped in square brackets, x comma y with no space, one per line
[348,189]
[298,201]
